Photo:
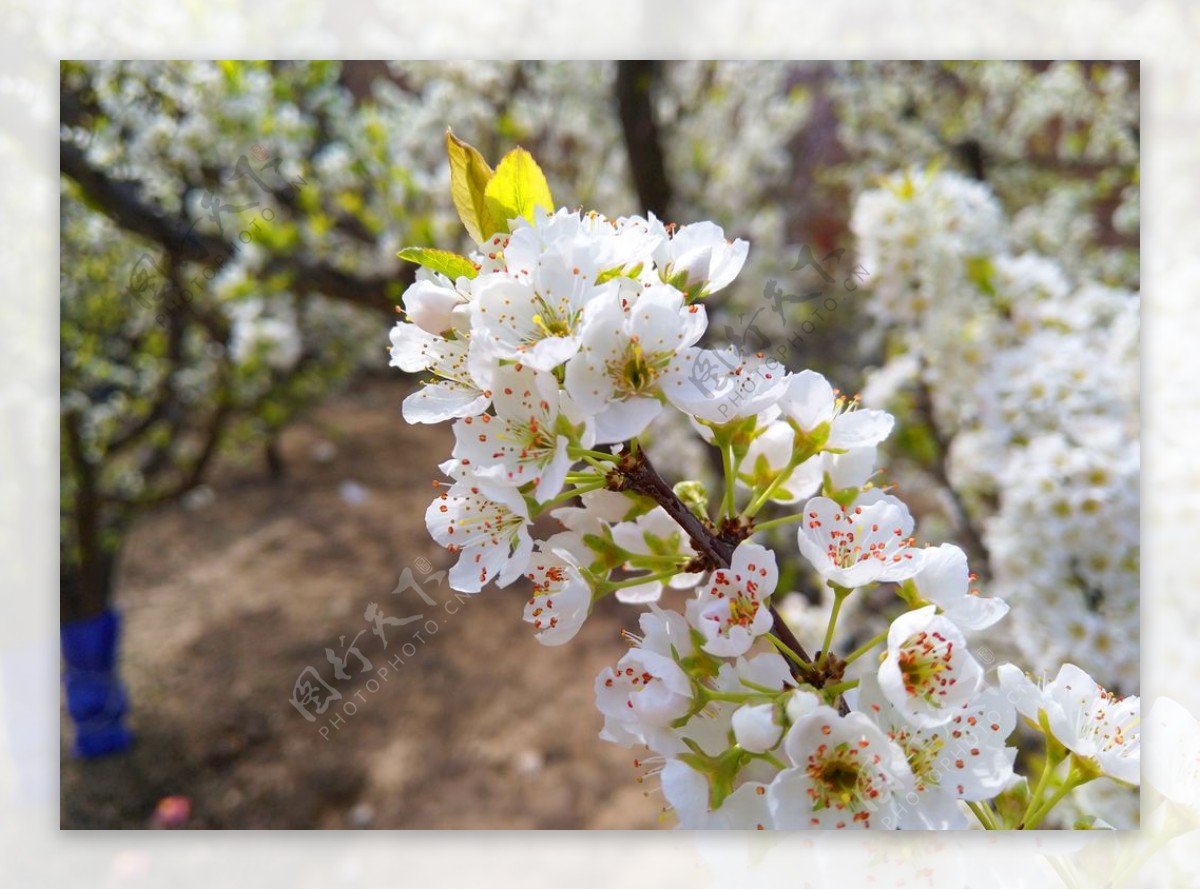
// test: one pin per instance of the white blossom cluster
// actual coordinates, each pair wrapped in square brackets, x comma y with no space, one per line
[226,147]
[551,348]
[1057,141]
[181,131]
[1033,378]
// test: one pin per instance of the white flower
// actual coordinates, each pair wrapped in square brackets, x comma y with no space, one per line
[665,632]
[430,301]
[769,454]
[810,404]
[624,354]
[490,256]
[647,690]
[600,508]
[1175,768]
[965,758]
[698,259]
[1092,723]
[928,672]
[755,728]
[711,729]
[653,534]
[732,611]
[721,385]
[687,792]
[800,703]
[850,468]
[275,337]
[590,240]
[488,526]
[535,311]
[866,542]
[461,384]
[847,774]
[772,451]
[561,597]
[527,440]
[944,580]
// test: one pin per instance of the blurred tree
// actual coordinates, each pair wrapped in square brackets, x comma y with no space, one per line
[195,304]
[229,229]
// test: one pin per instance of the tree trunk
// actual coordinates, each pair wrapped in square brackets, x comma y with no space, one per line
[86,589]
[636,81]
[97,701]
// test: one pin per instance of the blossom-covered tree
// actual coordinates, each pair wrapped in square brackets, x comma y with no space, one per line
[745,727]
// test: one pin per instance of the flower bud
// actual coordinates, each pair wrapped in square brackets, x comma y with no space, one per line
[755,728]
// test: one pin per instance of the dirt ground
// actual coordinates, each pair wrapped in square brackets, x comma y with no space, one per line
[226,602]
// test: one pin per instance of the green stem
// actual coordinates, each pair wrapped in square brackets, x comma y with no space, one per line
[788,651]
[642,579]
[839,688]
[582,478]
[782,520]
[585,453]
[773,760]
[567,495]
[1073,780]
[761,500]
[839,594]
[867,646]
[1035,799]
[646,560]
[728,506]
[1068,873]
[1054,755]
[1143,854]
[597,463]
[767,690]
[715,695]
[984,814]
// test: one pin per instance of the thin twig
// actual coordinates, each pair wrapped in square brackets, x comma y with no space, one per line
[978,549]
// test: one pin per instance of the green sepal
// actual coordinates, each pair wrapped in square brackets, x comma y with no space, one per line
[721,771]
[619,272]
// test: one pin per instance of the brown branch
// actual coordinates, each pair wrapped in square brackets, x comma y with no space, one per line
[122,202]
[636,473]
[164,395]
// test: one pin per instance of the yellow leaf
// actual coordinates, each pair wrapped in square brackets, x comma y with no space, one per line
[469,177]
[517,187]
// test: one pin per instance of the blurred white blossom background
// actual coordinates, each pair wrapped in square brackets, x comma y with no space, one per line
[1051,231]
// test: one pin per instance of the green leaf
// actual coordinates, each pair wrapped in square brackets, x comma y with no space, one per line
[518,186]
[469,178]
[449,264]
